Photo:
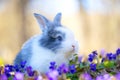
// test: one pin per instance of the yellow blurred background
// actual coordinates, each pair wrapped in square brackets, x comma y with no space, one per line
[95,23]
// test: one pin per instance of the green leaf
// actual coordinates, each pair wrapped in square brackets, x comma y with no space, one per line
[109,64]
[76,59]
[81,65]
[10,78]
[100,66]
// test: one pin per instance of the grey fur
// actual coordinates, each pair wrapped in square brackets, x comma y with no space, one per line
[45,23]
[48,39]
[20,57]
[57,19]
[51,40]
[24,54]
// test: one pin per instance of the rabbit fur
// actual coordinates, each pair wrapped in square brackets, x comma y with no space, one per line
[55,43]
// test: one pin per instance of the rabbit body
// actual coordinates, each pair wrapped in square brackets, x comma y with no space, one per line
[56,43]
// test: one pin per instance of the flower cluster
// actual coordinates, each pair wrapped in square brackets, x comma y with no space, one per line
[103,66]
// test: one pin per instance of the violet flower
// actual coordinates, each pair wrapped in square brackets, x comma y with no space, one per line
[3,77]
[52,75]
[100,78]
[72,68]
[23,63]
[118,51]
[92,56]
[19,76]
[52,65]
[38,78]
[80,59]
[117,76]
[86,76]
[62,69]
[93,67]
[29,70]
[102,53]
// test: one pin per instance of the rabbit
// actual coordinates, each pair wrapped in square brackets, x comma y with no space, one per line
[55,43]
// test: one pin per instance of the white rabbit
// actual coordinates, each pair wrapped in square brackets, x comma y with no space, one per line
[56,43]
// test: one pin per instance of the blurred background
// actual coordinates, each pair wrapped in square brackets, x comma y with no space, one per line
[95,23]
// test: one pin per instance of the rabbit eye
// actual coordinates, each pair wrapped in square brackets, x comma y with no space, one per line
[59,38]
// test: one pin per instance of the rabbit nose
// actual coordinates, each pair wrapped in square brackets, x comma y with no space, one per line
[73,46]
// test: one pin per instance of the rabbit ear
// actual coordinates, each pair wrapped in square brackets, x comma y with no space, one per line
[57,19]
[42,21]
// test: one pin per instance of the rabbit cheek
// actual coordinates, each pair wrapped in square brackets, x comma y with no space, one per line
[72,50]
[68,55]
[50,43]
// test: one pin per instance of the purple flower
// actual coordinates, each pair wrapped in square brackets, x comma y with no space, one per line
[52,75]
[114,56]
[103,59]
[23,63]
[52,65]
[38,77]
[111,56]
[117,76]
[107,77]
[102,53]
[118,51]
[86,76]
[8,69]
[93,67]
[100,78]
[92,56]
[3,77]
[29,70]
[72,68]
[19,76]
[20,67]
[104,77]
[80,59]
[95,52]
[17,68]
[62,69]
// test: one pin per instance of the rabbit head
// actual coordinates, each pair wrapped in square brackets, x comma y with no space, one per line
[55,36]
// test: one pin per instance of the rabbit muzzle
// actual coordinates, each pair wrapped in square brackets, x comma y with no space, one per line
[75,47]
